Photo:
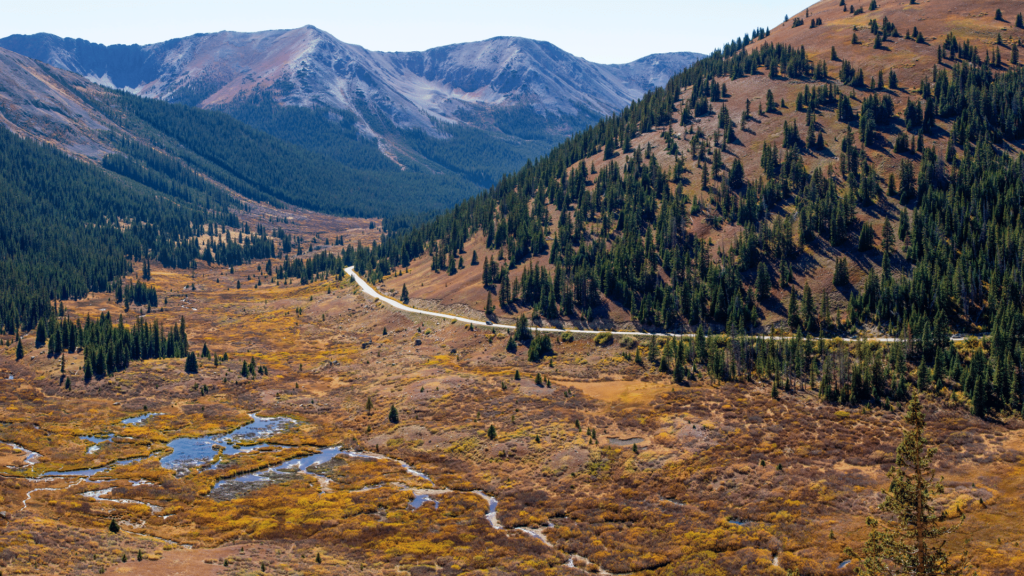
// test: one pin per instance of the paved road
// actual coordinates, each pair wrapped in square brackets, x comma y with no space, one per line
[370,291]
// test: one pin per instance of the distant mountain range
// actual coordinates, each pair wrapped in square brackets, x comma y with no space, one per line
[475,84]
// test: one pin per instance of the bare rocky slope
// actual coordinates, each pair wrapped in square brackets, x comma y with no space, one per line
[40,102]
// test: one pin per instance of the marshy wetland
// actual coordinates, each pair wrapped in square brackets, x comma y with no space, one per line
[605,466]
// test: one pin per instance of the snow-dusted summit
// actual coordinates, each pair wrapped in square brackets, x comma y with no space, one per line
[469,83]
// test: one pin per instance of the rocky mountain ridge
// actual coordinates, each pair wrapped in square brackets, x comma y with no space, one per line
[468,83]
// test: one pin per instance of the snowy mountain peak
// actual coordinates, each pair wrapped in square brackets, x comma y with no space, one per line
[307,66]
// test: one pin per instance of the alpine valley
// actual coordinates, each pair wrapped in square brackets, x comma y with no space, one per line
[475,111]
[271,303]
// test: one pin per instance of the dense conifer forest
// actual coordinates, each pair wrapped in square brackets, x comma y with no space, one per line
[68,228]
[267,169]
[477,159]
[107,346]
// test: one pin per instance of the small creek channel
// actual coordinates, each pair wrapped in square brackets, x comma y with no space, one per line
[30,456]
[190,453]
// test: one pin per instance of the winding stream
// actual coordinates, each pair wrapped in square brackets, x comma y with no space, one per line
[139,419]
[30,457]
[190,453]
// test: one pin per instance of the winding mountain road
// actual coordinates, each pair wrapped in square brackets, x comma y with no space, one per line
[370,291]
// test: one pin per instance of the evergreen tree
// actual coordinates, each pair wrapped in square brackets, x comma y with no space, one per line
[678,375]
[808,308]
[793,310]
[867,238]
[191,365]
[393,415]
[405,295]
[979,398]
[841,277]
[609,147]
[909,539]
[888,237]
[652,351]
[825,316]
[522,332]
[539,348]
[492,433]
[41,335]
[923,377]
[19,351]
[763,283]
[113,527]
[904,228]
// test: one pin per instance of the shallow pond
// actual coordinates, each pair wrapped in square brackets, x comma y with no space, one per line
[299,465]
[420,499]
[192,452]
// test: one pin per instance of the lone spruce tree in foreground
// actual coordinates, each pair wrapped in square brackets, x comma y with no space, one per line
[910,539]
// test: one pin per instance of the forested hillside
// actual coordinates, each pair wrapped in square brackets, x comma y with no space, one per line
[458,157]
[267,169]
[699,206]
[769,185]
[68,228]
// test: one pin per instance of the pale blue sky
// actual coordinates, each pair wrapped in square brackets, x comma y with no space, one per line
[599,30]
